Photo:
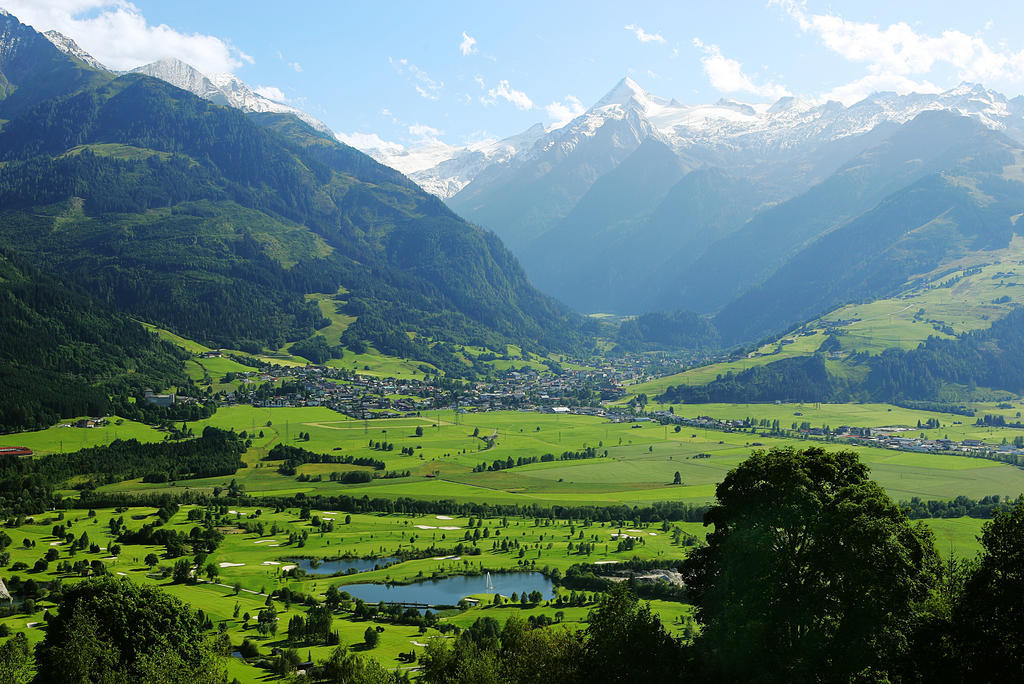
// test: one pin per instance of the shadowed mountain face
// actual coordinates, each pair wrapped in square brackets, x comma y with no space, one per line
[644,204]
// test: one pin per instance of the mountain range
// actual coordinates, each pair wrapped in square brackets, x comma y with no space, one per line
[645,204]
[718,215]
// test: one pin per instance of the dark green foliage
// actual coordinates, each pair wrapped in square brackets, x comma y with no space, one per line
[315,349]
[15,660]
[990,613]
[811,572]
[795,379]
[626,642]
[111,630]
[58,341]
[677,330]
[26,484]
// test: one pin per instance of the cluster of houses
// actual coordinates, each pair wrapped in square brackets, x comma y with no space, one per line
[895,437]
[362,396]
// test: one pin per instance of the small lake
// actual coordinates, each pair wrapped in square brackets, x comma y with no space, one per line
[450,590]
[313,566]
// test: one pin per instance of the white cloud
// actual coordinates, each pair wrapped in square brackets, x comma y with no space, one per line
[117,34]
[855,91]
[296,66]
[468,44]
[565,111]
[271,93]
[369,141]
[727,74]
[506,92]
[644,36]
[424,131]
[421,81]
[897,56]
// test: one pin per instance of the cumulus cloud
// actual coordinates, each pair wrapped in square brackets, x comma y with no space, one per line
[897,57]
[369,141]
[644,36]
[424,132]
[565,111]
[117,34]
[427,87]
[271,93]
[468,44]
[727,74]
[506,92]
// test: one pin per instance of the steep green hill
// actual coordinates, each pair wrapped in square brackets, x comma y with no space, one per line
[216,225]
[62,353]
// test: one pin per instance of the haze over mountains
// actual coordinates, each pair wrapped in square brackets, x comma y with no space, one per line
[642,203]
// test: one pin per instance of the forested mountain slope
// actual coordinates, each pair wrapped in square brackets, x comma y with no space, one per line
[62,353]
[215,224]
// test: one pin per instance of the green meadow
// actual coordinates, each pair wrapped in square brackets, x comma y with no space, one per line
[636,464]
[639,469]
[251,566]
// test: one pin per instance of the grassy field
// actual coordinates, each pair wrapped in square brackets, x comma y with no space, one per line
[957,297]
[257,565]
[636,464]
[63,438]
[639,469]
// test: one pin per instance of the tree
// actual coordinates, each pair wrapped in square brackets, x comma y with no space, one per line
[989,618]
[15,660]
[109,630]
[345,667]
[296,629]
[371,637]
[182,571]
[678,479]
[626,642]
[811,572]
[419,430]
[152,559]
[266,622]
[318,623]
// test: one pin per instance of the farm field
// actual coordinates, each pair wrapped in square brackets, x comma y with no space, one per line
[633,464]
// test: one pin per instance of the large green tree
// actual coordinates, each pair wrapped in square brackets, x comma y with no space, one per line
[811,572]
[989,618]
[112,630]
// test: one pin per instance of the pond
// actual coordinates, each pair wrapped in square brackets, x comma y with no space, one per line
[450,590]
[315,566]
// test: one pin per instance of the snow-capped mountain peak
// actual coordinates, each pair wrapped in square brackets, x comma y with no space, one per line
[223,89]
[626,92]
[70,47]
[184,76]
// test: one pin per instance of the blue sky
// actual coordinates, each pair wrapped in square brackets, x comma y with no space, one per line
[461,71]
